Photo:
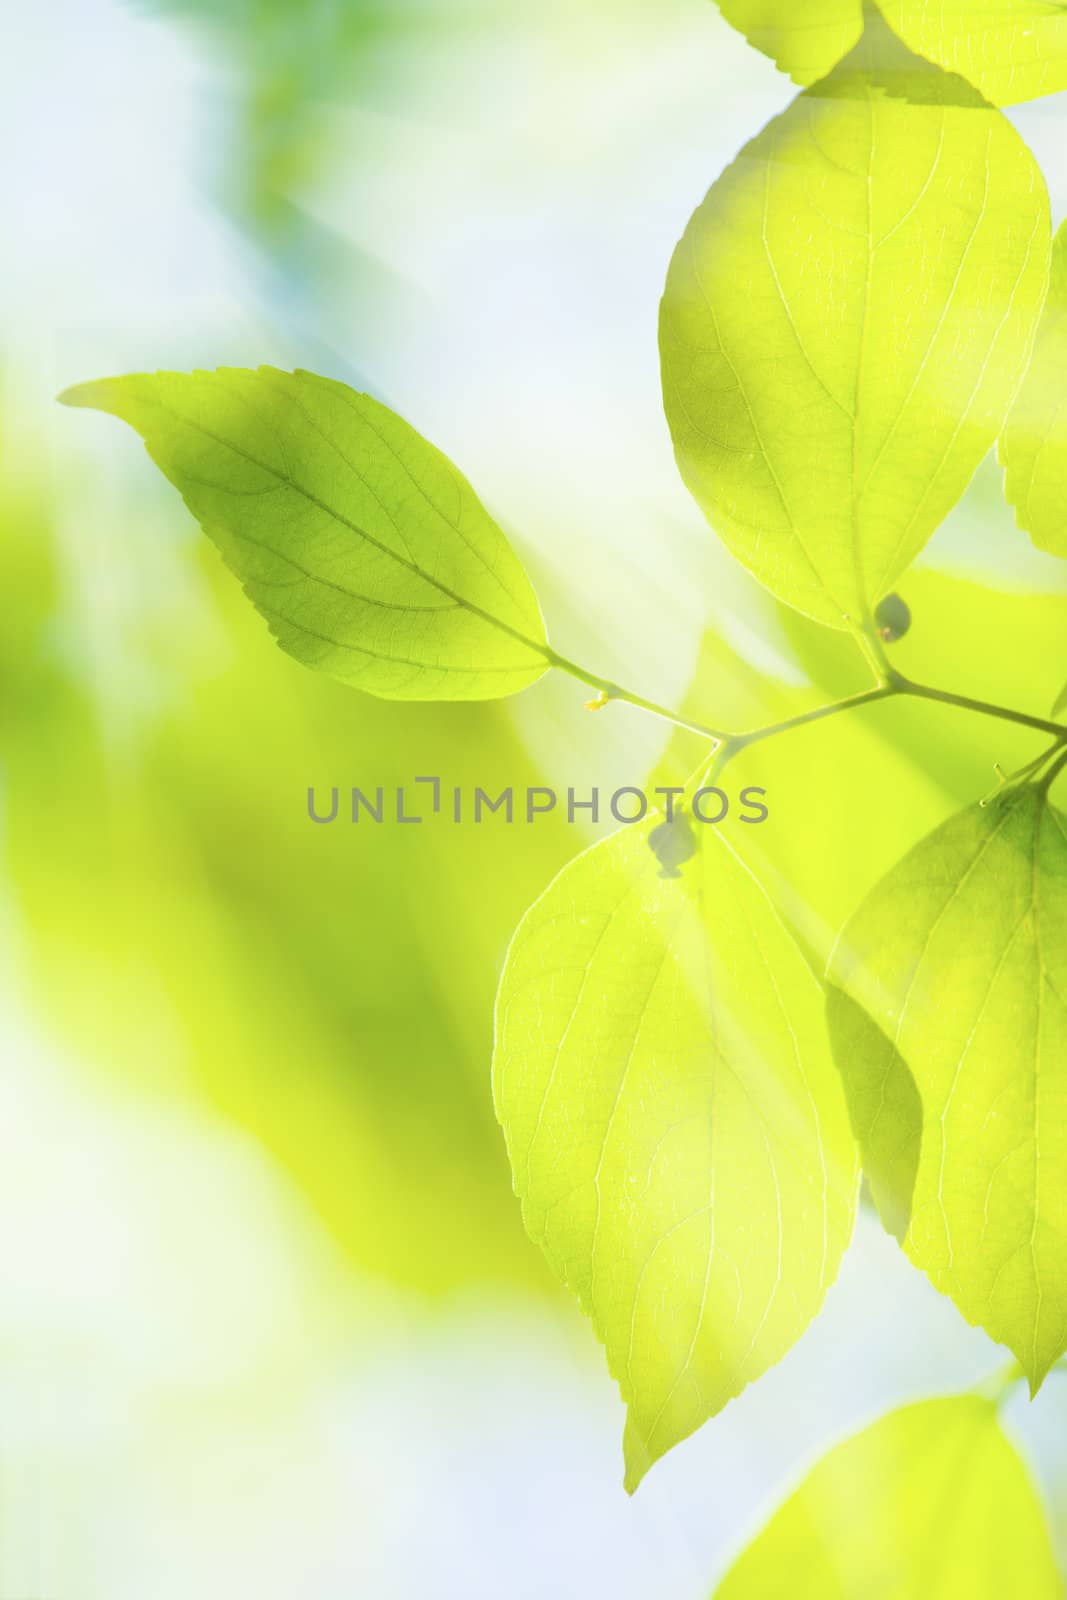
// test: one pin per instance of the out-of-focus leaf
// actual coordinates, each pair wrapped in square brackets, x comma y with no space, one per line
[1002,645]
[930,1503]
[885,1108]
[1033,448]
[367,552]
[285,66]
[845,323]
[845,802]
[851,795]
[959,958]
[676,1128]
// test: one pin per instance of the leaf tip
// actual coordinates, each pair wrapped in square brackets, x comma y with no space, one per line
[98,394]
[637,1459]
[1035,1380]
[77,394]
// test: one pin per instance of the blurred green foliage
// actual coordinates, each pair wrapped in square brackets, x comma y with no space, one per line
[185,924]
[287,61]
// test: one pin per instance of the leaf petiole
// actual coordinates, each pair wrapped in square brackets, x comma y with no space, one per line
[923,691]
[615,691]
[1053,772]
[891,684]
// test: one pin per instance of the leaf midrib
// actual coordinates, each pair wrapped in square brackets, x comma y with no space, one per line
[543,650]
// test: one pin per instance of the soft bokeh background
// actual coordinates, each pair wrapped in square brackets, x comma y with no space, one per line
[268,1321]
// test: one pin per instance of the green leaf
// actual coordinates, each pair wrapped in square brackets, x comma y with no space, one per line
[931,1503]
[1033,448]
[959,959]
[803,41]
[676,1128]
[846,321]
[1010,50]
[364,548]
[885,1108]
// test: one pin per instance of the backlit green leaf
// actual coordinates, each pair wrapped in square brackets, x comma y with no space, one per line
[677,1131]
[959,960]
[1033,449]
[845,323]
[364,548]
[931,1503]
[1009,49]
[804,40]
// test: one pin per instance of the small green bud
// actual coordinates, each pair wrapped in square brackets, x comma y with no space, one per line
[673,843]
[892,618]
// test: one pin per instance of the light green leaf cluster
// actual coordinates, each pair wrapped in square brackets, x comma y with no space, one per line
[1010,50]
[857,311]
[1033,449]
[845,324]
[366,551]
[931,1503]
[953,1049]
[676,1128]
